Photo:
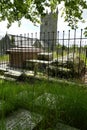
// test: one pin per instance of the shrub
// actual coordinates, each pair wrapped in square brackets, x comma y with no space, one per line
[70,69]
[59,72]
[78,65]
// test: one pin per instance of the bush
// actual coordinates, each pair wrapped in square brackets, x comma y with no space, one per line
[59,72]
[70,69]
[78,65]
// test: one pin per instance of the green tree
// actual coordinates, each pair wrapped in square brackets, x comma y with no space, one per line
[15,10]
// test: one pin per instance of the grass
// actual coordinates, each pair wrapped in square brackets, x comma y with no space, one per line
[4,58]
[55,55]
[84,58]
[71,104]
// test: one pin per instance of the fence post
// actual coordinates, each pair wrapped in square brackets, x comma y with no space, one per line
[86,52]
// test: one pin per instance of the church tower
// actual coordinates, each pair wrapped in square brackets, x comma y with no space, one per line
[48,29]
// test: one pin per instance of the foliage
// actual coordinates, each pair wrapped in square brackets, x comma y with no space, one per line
[73,68]
[14,10]
[60,72]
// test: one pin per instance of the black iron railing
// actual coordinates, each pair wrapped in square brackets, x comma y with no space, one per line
[62,57]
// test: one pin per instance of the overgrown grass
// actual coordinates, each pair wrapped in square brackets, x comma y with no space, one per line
[70,106]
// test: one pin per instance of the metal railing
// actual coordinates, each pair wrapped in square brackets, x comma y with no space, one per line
[62,57]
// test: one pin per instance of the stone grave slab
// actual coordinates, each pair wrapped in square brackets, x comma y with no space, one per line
[22,120]
[61,126]
[45,56]
[48,100]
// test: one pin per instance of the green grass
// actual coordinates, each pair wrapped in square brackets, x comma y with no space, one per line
[84,58]
[4,58]
[71,104]
[55,55]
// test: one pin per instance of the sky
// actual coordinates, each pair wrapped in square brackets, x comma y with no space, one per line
[28,27]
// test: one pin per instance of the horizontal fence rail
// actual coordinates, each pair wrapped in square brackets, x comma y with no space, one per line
[46,54]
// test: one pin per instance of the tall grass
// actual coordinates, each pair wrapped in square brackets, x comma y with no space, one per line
[71,101]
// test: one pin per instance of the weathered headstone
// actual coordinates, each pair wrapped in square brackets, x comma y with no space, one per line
[61,126]
[45,56]
[22,120]
[48,100]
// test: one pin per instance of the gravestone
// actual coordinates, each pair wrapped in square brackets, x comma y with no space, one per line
[22,120]
[48,100]
[18,56]
[45,56]
[61,126]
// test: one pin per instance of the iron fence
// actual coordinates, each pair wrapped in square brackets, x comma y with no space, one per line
[62,56]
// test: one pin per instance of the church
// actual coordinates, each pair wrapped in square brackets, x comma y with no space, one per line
[48,29]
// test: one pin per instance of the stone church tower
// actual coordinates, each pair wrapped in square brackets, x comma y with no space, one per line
[48,29]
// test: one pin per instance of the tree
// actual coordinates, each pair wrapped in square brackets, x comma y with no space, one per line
[15,10]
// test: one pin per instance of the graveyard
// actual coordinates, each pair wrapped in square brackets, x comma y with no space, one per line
[38,95]
[43,81]
[38,104]
[43,88]
[24,57]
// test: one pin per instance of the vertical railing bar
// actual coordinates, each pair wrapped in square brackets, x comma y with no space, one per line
[18,45]
[63,49]
[85,55]
[58,54]
[8,44]
[26,63]
[58,47]
[25,51]
[53,42]
[68,52]
[21,53]
[2,51]
[31,50]
[48,52]
[74,45]
[80,52]
[44,42]
[37,49]
[74,53]
[68,44]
